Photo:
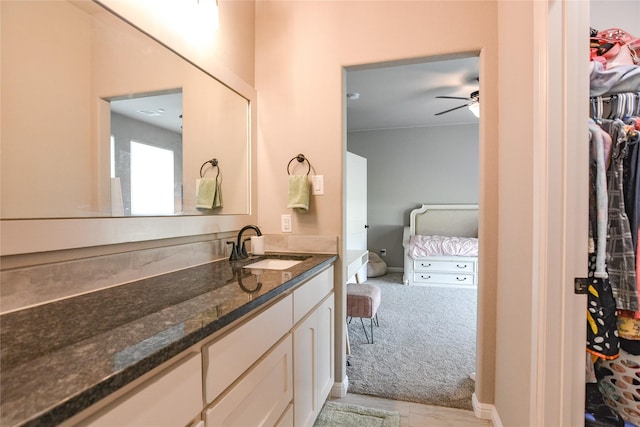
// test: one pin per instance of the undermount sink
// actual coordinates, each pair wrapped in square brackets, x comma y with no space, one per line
[273,264]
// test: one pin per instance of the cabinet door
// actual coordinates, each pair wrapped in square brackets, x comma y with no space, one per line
[304,372]
[261,397]
[325,350]
[313,363]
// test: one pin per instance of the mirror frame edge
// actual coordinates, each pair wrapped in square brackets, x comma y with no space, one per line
[44,235]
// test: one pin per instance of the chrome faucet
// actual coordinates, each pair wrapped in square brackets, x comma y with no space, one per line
[239,250]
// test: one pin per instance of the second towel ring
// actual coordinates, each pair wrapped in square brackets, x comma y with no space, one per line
[300,158]
[214,164]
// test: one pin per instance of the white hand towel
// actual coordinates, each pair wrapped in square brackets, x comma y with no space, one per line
[298,192]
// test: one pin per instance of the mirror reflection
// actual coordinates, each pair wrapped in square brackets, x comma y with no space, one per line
[146,154]
[100,120]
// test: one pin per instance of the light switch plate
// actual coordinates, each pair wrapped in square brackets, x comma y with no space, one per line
[285,223]
[318,185]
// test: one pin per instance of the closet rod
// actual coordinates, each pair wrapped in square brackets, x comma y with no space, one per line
[612,97]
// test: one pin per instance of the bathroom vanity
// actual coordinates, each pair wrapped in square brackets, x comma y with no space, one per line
[209,345]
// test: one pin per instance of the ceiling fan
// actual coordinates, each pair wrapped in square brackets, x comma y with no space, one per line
[474,98]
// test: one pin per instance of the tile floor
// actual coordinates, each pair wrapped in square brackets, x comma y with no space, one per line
[417,415]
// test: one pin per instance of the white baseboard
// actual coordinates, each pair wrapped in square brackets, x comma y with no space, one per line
[339,389]
[486,411]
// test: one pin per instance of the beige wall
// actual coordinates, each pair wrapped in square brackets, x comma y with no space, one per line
[301,49]
[231,47]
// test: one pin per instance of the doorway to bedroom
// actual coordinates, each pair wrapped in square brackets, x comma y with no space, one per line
[413,125]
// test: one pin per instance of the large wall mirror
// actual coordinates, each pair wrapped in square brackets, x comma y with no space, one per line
[99,120]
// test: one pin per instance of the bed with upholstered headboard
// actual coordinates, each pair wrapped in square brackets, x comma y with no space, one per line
[441,246]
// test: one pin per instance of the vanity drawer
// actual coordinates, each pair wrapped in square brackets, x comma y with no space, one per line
[444,278]
[171,398]
[448,266]
[262,397]
[311,293]
[229,357]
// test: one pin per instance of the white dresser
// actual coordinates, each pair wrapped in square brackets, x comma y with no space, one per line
[450,271]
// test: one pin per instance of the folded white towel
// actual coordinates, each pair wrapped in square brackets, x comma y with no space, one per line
[298,192]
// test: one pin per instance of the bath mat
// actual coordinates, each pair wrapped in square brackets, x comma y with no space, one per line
[334,414]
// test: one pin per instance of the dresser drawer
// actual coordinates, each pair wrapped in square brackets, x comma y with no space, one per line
[449,266]
[444,278]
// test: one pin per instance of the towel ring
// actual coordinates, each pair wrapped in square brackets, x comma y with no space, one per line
[214,164]
[300,158]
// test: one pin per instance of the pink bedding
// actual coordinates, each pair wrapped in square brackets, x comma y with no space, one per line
[421,246]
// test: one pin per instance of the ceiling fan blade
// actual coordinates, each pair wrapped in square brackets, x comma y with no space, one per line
[454,97]
[453,109]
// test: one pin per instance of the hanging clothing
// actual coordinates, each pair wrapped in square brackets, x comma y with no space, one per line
[598,209]
[602,332]
[620,249]
[631,185]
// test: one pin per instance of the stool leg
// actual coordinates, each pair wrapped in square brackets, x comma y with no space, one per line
[365,330]
[371,330]
[377,323]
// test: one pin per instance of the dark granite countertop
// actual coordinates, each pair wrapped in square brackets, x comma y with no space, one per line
[59,358]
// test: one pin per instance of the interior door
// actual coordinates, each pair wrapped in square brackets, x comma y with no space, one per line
[356,205]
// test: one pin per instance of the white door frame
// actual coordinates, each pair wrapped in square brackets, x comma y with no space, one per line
[561,178]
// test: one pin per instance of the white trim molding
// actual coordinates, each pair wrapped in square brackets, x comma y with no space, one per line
[485,411]
[339,389]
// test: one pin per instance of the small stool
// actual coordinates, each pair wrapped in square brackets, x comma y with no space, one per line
[363,301]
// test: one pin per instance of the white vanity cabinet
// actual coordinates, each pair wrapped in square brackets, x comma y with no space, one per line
[313,362]
[273,369]
[287,385]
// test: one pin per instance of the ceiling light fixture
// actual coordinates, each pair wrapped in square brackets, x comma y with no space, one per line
[475,109]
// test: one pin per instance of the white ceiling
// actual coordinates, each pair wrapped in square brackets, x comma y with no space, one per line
[161,109]
[405,95]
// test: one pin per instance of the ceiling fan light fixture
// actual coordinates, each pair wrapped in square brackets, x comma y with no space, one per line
[475,109]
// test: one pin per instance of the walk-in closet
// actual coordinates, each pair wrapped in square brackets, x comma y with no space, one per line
[613,284]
